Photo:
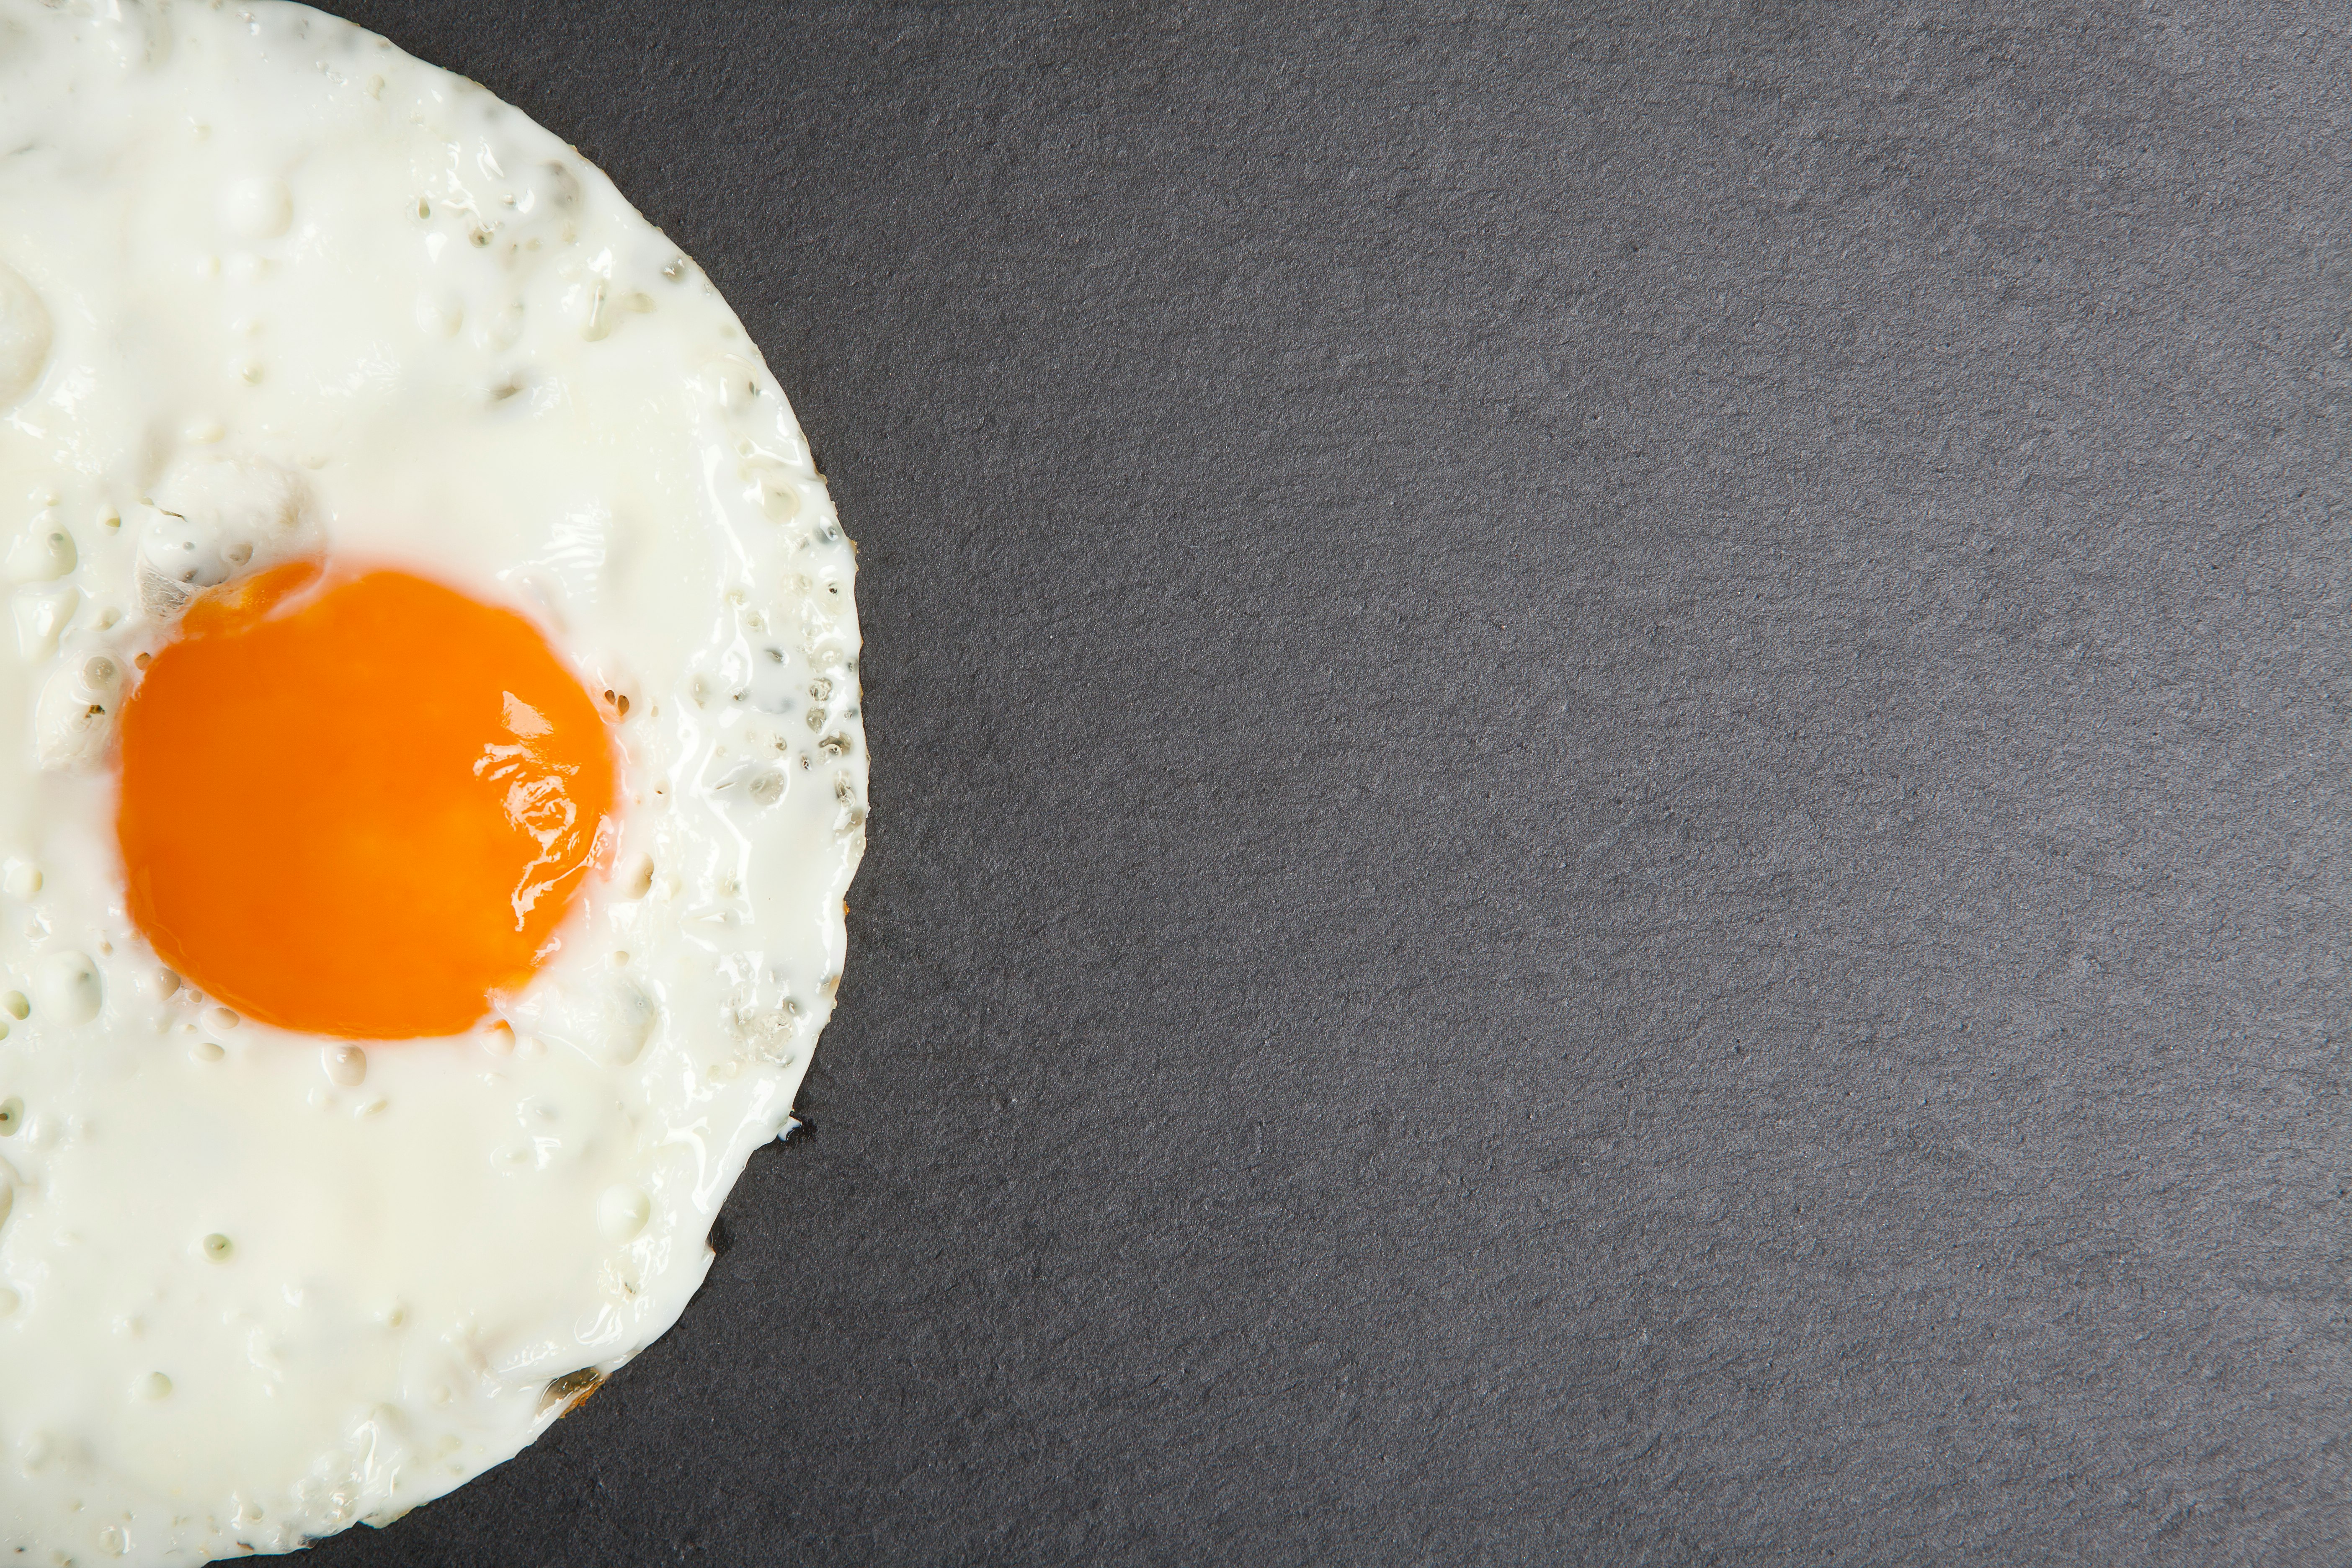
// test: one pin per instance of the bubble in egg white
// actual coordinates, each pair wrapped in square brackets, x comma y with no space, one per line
[260,207]
[68,988]
[215,518]
[622,1213]
[41,616]
[440,314]
[43,554]
[637,878]
[73,721]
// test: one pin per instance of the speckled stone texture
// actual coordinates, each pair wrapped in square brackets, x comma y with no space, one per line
[1610,808]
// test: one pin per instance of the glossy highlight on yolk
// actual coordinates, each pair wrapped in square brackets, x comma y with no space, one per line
[358,805]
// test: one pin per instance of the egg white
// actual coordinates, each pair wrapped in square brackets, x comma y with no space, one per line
[290,289]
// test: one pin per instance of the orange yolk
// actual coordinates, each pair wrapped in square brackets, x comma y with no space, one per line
[358,805]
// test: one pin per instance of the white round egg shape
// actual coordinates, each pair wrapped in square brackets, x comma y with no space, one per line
[277,288]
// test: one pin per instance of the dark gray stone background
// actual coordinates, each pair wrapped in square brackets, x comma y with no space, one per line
[1610,807]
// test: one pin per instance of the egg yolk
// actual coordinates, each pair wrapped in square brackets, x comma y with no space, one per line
[358,805]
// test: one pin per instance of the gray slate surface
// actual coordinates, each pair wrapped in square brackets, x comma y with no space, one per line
[1609,810]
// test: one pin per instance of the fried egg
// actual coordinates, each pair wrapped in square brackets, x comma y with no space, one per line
[431,769]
